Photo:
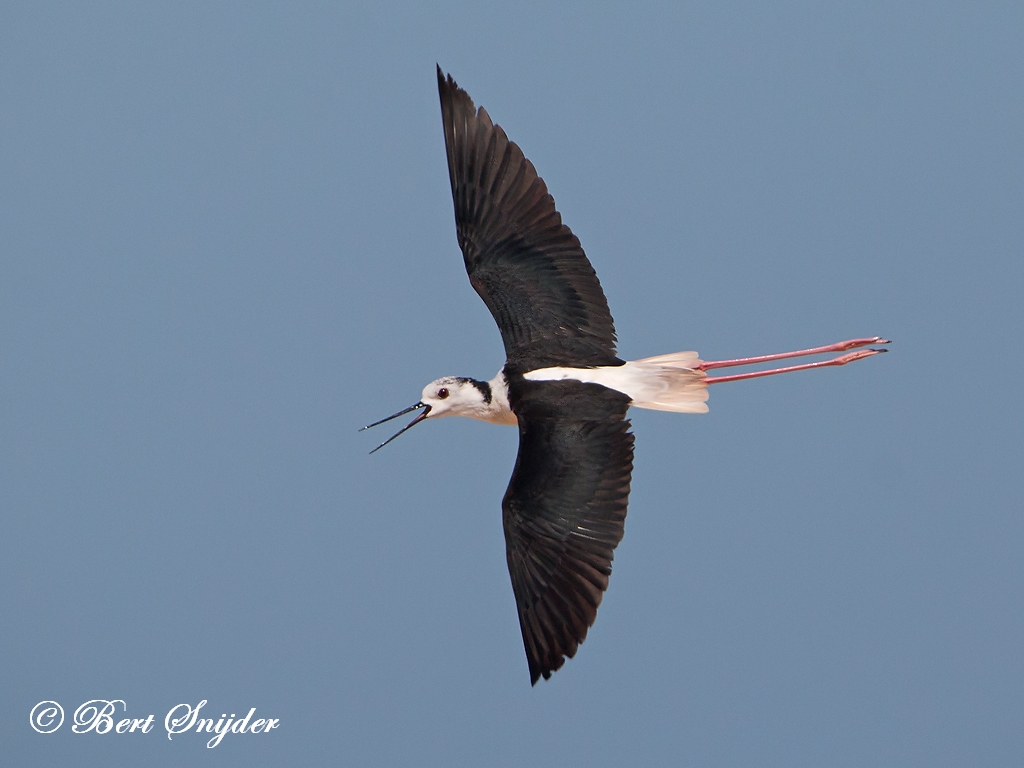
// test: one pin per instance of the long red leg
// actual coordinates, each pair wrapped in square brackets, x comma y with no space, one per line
[842,346]
[841,360]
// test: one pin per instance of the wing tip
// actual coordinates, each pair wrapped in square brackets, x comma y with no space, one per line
[538,670]
[449,89]
[442,81]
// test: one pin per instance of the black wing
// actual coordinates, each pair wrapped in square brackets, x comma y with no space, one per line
[527,266]
[564,511]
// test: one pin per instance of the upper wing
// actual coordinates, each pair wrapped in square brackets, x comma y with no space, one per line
[564,511]
[528,267]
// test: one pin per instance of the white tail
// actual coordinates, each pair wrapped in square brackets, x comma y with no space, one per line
[669,383]
[663,383]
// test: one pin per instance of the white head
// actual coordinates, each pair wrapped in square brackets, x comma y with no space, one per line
[457,396]
[454,396]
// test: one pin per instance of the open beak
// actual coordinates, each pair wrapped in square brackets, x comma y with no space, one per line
[410,425]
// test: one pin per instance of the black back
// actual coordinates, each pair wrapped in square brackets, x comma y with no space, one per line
[564,511]
[527,266]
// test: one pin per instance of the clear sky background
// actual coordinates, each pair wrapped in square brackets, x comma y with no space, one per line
[227,242]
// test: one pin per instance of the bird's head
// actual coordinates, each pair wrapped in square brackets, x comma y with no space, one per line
[447,396]
[454,396]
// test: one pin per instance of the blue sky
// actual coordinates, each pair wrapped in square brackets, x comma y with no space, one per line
[228,242]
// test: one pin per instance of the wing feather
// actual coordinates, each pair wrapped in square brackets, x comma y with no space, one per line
[564,511]
[527,266]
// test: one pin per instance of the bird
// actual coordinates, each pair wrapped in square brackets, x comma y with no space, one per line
[562,385]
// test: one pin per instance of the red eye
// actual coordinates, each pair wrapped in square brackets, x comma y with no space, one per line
[442,393]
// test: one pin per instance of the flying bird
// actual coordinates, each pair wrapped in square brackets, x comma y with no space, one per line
[562,383]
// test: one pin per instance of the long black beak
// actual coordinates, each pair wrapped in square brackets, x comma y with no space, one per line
[410,425]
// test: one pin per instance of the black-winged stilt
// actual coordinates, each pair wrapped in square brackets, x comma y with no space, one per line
[562,383]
